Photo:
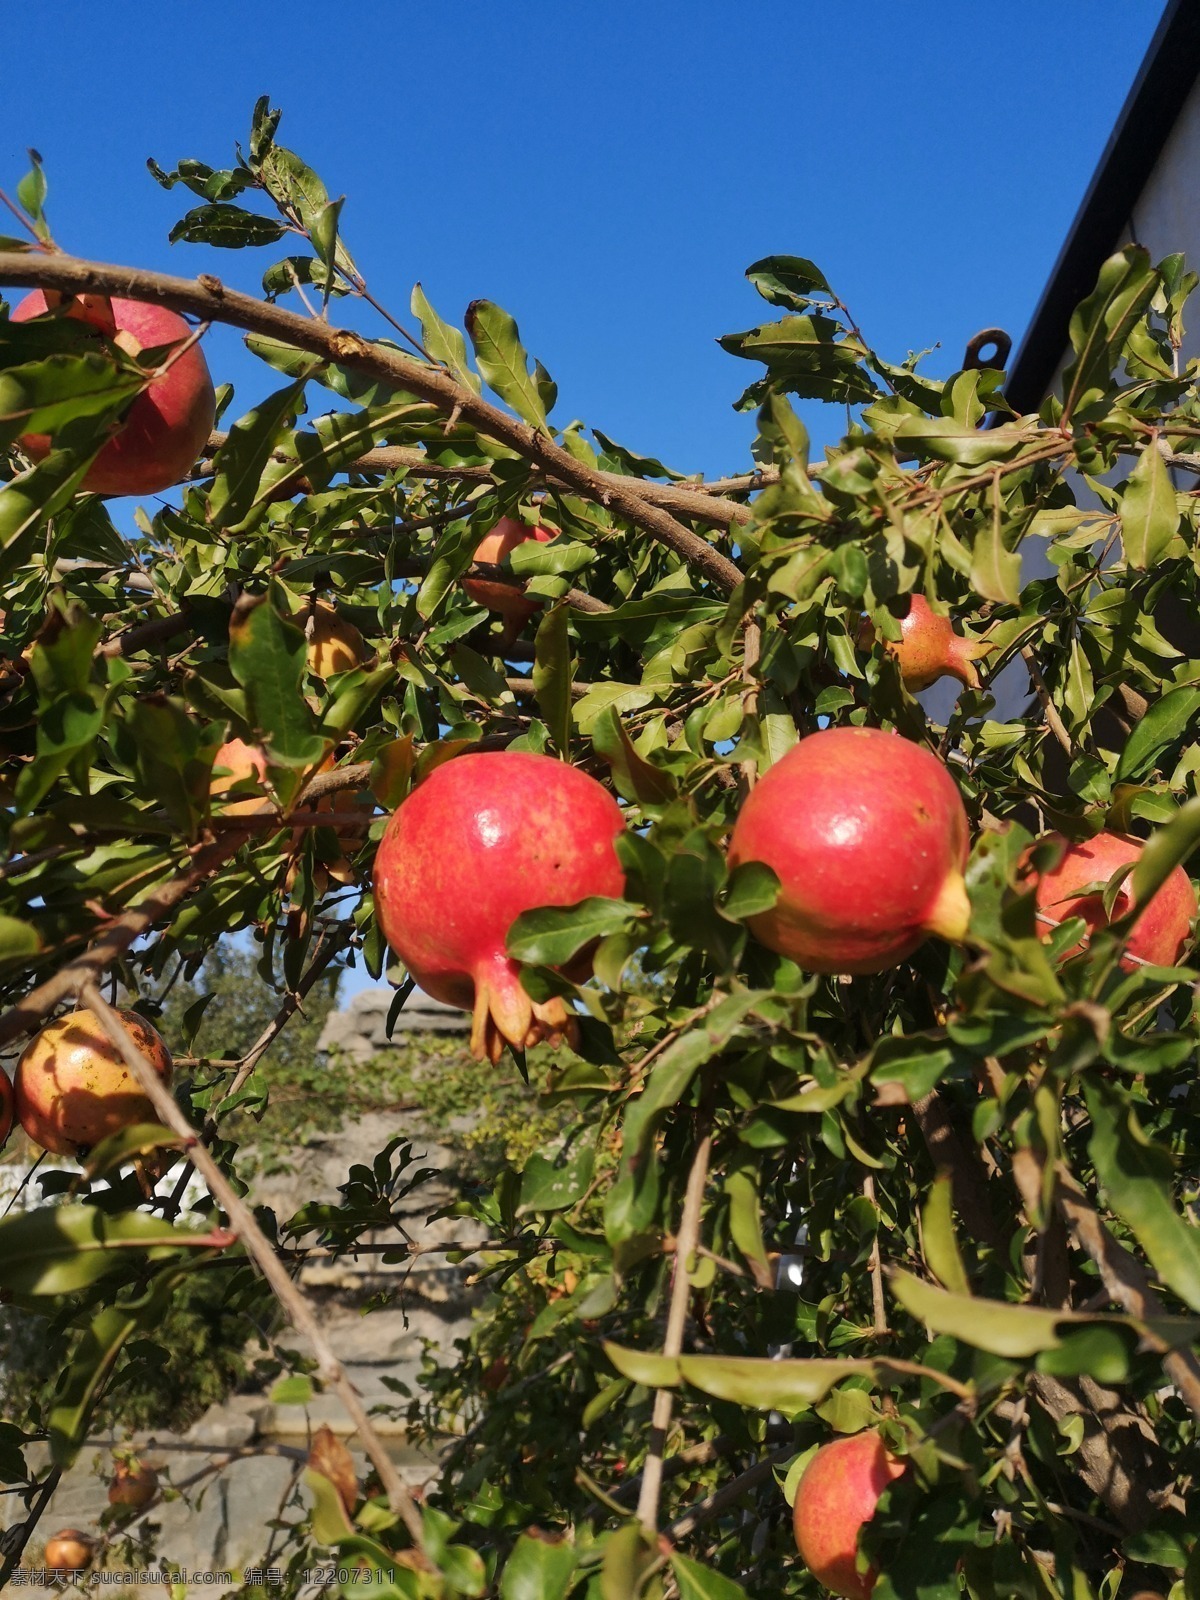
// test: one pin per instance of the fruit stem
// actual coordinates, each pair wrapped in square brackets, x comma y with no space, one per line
[950,915]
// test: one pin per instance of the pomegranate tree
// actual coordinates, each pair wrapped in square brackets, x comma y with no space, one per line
[482,839]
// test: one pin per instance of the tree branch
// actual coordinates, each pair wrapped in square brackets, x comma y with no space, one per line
[685,1246]
[258,1247]
[207,297]
[15,1542]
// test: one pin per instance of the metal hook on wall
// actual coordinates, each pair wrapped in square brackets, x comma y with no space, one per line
[995,341]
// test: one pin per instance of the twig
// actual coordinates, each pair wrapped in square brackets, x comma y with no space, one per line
[685,1245]
[1053,720]
[208,298]
[875,1266]
[14,1550]
[241,1218]
[713,1504]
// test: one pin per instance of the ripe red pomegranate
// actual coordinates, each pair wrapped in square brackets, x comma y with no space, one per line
[167,425]
[510,603]
[930,649]
[868,836]
[6,1106]
[1161,933]
[73,1087]
[482,839]
[837,1494]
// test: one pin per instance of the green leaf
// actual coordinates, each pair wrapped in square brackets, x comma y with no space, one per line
[18,940]
[296,1390]
[33,496]
[753,888]
[1167,723]
[241,461]
[266,656]
[701,1583]
[937,1237]
[995,570]
[1149,514]
[226,226]
[443,342]
[60,1249]
[31,196]
[788,281]
[538,1569]
[330,1524]
[1103,322]
[758,1382]
[41,397]
[503,361]
[635,778]
[626,1557]
[136,1140]
[745,1220]
[552,674]
[174,758]
[1166,849]
[945,439]
[551,935]
[1137,1179]
[546,1186]
[93,1359]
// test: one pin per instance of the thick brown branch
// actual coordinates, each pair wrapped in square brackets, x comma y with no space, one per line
[207,298]
[685,1245]
[258,1247]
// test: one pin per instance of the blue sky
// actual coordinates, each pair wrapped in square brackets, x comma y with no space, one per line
[606,172]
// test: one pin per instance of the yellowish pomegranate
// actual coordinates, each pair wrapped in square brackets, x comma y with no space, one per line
[334,643]
[73,1087]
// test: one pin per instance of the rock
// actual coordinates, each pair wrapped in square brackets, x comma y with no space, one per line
[223,1427]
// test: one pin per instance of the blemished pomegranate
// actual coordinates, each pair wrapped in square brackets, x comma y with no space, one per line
[133,1484]
[837,1494]
[868,836]
[1162,932]
[482,839]
[6,1106]
[72,1085]
[506,601]
[930,648]
[167,425]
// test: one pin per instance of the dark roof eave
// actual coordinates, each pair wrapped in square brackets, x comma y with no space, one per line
[1151,109]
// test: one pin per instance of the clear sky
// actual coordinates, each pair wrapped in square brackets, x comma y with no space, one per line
[606,171]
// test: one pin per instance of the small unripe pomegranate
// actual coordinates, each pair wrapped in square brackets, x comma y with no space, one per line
[6,1106]
[133,1484]
[837,1494]
[334,643]
[510,603]
[482,839]
[1161,933]
[69,1550]
[73,1087]
[167,425]
[237,762]
[868,837]
[929,648]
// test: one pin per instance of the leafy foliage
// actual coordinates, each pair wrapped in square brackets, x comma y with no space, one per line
[983,1161]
